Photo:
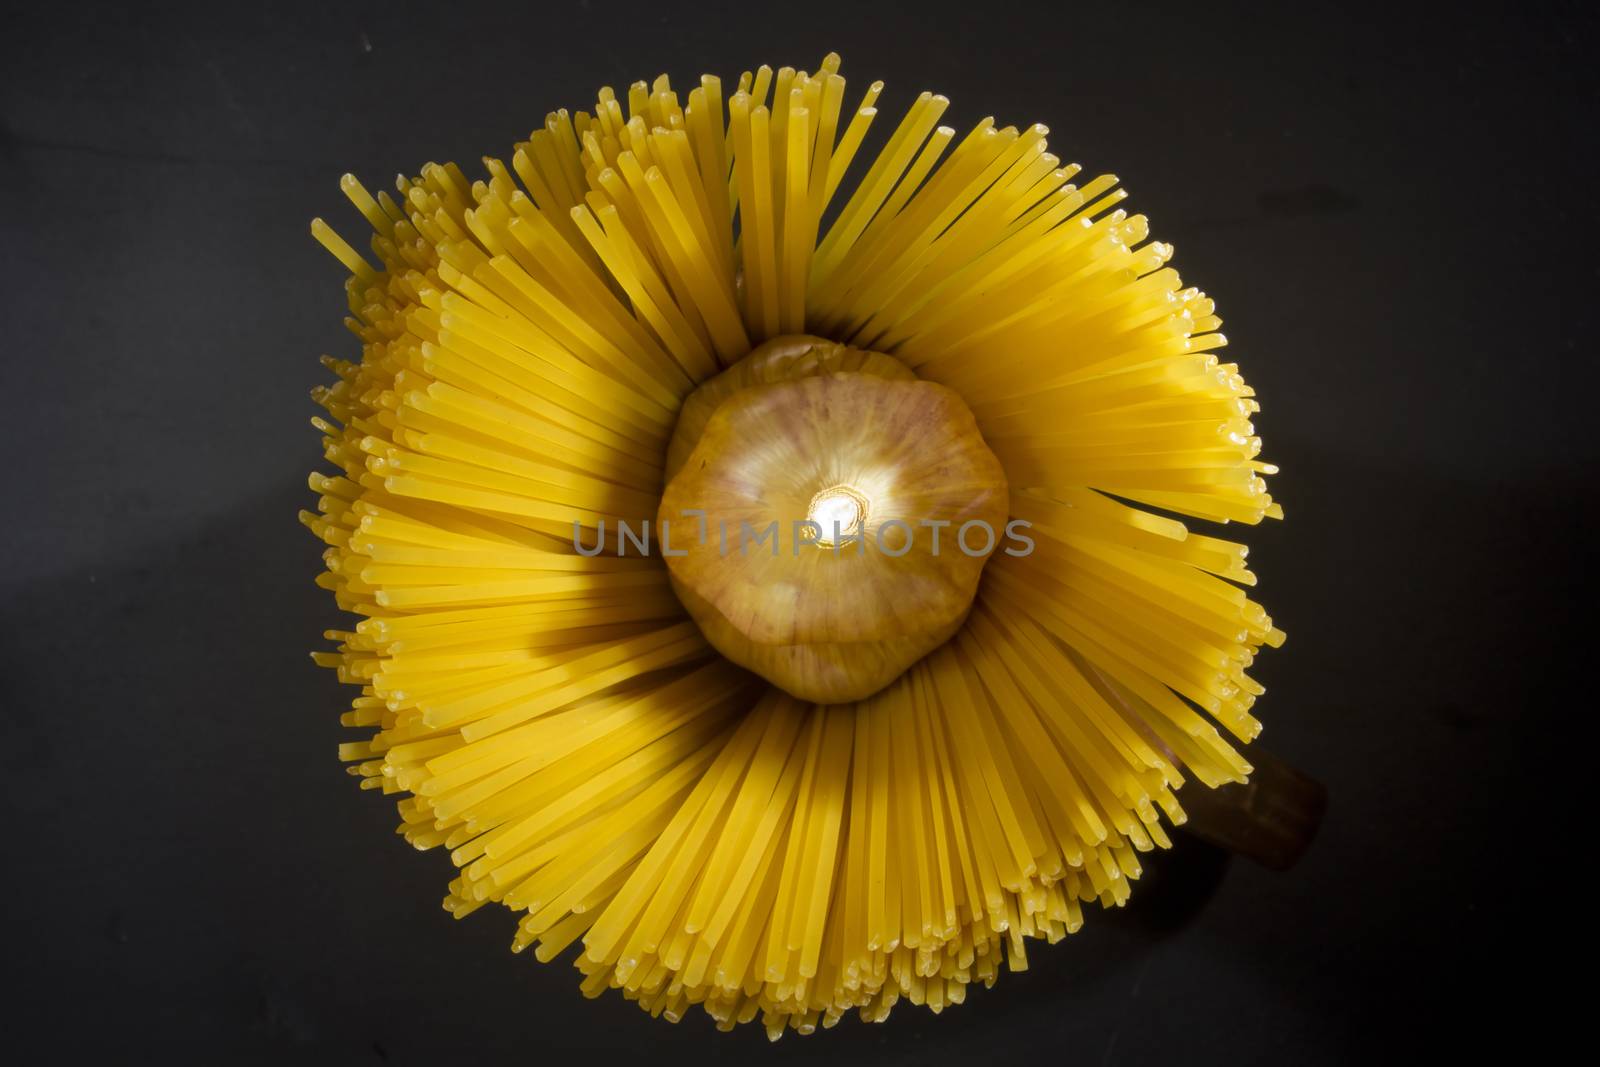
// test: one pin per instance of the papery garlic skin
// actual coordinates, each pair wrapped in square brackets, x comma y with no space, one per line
[781,359]
[827,622]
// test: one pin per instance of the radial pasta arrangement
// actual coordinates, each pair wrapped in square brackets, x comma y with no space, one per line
[766,559]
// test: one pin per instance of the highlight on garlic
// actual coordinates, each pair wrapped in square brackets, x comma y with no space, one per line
[771,572]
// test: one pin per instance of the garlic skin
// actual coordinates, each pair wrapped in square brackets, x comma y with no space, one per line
[805,428]
[781,359]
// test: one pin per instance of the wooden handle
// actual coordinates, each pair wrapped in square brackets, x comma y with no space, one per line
[1271,819]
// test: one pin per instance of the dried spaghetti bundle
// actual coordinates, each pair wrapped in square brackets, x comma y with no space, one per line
[569,722]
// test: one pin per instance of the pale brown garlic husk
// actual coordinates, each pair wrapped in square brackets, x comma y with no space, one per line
[803,428]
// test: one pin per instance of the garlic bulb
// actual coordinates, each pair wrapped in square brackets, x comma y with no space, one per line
[822,498]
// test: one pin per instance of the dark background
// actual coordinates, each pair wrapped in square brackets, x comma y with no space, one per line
[1396,214]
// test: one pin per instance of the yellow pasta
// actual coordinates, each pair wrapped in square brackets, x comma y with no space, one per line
[564,710]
